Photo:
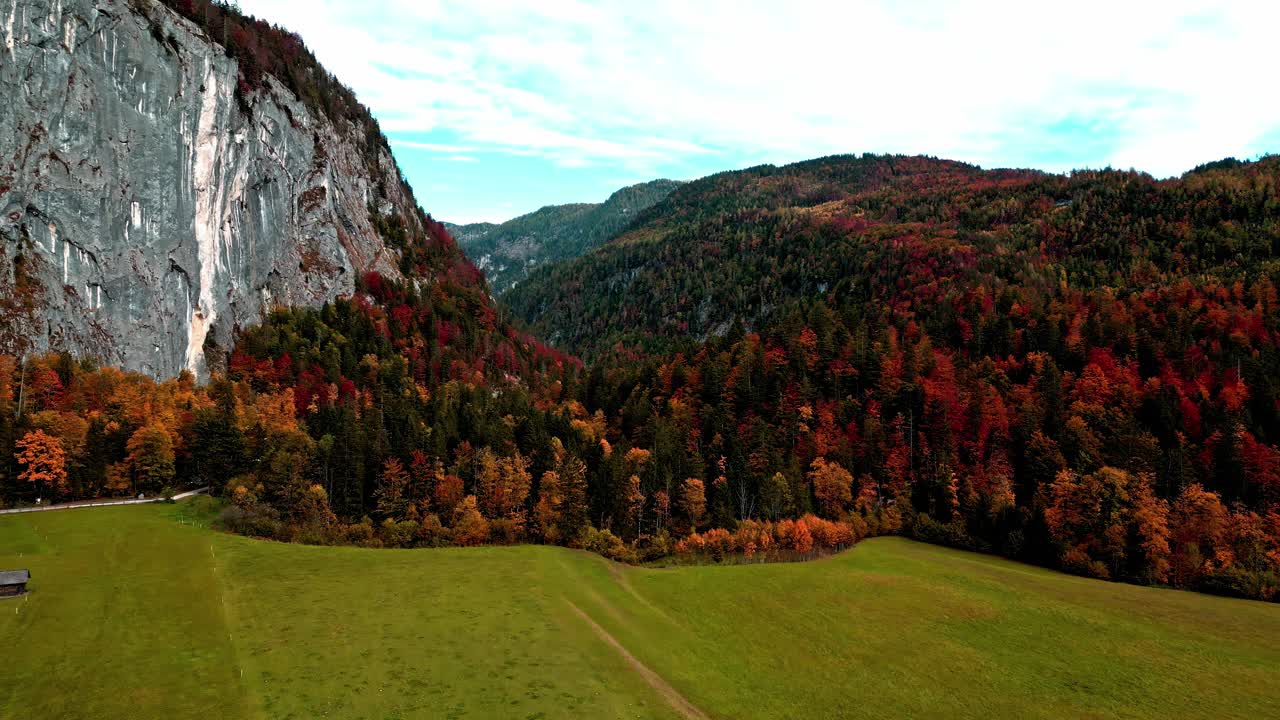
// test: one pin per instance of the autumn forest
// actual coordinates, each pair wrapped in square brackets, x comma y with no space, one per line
[1076,371]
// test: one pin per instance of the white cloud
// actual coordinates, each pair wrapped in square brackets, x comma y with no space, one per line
[433,147]
[642,85]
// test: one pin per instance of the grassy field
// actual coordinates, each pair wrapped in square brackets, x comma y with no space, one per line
[139,612]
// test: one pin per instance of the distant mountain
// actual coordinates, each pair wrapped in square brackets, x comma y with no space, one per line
[911,234]
[509,251]
[734,246]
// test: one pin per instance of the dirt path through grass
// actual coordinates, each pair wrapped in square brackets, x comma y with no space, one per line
[663,688]
[99,503]
[127,619]
[620,577]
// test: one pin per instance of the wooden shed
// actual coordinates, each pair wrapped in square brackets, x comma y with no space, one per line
[14,582]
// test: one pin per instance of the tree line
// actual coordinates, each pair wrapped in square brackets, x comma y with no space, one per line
[1078,372]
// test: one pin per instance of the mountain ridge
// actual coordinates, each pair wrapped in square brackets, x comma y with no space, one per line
[508,251]
[742,218]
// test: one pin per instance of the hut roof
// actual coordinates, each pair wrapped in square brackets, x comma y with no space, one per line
[14,577]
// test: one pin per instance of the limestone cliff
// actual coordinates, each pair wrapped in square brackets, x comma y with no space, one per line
[152,203]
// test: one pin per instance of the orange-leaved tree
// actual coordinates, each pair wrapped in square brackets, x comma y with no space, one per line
[832,485]
[1110,523]
[693,502]
[44,461]
[546,514]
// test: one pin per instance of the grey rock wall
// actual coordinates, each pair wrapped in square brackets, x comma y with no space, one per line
[145,214]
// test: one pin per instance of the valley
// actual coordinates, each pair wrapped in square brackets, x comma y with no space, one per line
[508,252]
[872,434]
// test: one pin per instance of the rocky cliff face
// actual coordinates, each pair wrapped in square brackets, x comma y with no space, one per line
[149,209]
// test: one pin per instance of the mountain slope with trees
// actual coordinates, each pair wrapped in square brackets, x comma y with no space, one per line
[1059,368]
[1079,371]
[1051,398]
[739,245]
[509,251]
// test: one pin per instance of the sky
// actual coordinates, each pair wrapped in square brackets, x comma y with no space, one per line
[495,108]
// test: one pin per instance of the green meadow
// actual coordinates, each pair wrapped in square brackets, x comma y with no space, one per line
[143,612]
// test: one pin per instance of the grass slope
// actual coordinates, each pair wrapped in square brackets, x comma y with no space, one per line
[134,614]
[124,620]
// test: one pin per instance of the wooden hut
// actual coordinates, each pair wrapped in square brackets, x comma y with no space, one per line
[14,582]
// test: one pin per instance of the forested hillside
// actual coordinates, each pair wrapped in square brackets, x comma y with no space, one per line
[740,245]
[1081,371]
[510,251]
[1078,371]
[1056,367]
